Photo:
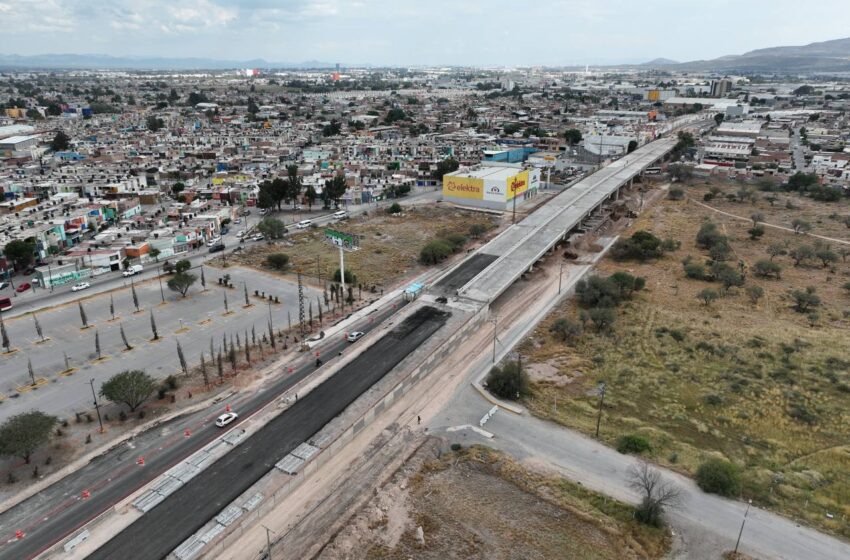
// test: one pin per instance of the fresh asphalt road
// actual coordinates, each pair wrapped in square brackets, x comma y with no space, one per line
[193,321]
[59,510]
[185,511]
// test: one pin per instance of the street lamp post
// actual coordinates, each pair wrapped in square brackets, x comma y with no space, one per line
[96,406]
[495,325]
[744,520]
[601,402]
[268,542]
[560,278]
[159,277]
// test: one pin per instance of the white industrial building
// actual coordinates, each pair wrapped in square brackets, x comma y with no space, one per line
[495,187]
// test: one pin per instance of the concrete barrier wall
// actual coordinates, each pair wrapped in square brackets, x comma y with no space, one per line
[282,484]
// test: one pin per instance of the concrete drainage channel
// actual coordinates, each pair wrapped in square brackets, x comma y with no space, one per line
[289,473]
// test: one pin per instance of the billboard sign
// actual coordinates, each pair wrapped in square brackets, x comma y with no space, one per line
[463,187]
[342,239]
[517,184]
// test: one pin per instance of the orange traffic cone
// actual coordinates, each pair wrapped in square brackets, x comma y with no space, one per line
[140,461]
[227,408]
[86,494]
[187,432]
[19,534]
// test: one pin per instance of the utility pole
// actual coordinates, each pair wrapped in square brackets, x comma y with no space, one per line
[268,542]
[159,277]
[96,406]
[495,321]
[560,278]
[744,520]
[601,402]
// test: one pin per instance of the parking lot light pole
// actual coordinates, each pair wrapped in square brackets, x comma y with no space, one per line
[159,277]
[96,406]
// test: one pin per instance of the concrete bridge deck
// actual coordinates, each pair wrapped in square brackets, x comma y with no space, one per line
[521,245]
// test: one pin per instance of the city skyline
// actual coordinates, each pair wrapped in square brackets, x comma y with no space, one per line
[382,33]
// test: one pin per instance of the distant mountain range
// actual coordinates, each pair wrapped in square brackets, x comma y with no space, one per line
[104,62]
[827,56]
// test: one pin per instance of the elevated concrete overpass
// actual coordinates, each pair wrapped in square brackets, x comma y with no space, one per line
[516,249]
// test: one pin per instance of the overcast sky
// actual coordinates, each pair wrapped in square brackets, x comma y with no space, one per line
[418,32]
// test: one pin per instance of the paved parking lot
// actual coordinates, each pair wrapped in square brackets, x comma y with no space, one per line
[193,321]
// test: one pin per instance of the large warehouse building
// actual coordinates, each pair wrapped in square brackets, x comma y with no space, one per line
[491,186]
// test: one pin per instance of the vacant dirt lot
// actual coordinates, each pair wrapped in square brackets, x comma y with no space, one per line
[479,503]
[389,244]
[757,383]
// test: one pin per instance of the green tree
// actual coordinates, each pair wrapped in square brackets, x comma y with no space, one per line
[448,165]
[718,118]
[394,209]
[632,146]
[801,254]
[597,291]
[717,476]
[131,387]
[20,252]
[566,329]
[708,295]
[266,198]
[632,443]
[278,261]
[602,318]
[293,183]
[334,190]
[572,136]
[181,266]
[509,381]
[805,300]
[395,114]
[60,142]
[435,251]
[755,293]
[766,269]
[181,282]
[641,246]
[154,123]
[801,226]
[311,196]
[827,256]
[680,173]
[272,228]
[23,433]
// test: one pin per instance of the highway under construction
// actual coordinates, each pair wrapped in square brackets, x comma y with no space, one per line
[465,292]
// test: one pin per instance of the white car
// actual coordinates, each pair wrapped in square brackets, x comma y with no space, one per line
[226,419]
[213,241]
[258,237]
[237,221]
[80,286]
[304,224]
[241,233]
[354,336]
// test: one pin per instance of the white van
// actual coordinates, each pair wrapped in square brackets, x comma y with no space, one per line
[341,215]
[303,224]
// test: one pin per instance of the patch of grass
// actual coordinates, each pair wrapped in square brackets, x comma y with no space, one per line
[751,383]
[389,246]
